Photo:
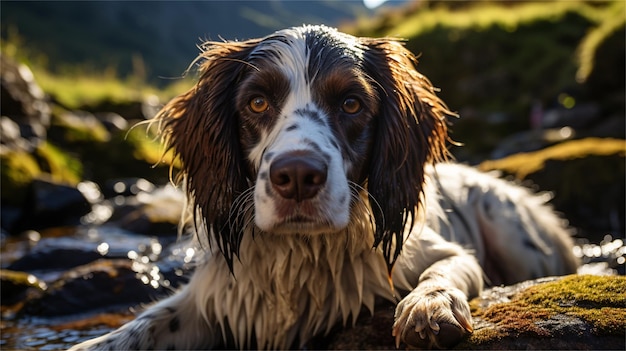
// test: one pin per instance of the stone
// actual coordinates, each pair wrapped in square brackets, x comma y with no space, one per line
[23,101]
[568,313]
[51,204]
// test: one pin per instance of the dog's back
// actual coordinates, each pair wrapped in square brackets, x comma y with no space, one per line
[514,233]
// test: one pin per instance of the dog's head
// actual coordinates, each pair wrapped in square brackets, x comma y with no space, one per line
[293,128]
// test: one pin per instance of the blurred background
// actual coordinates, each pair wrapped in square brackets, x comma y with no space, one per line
[539,87]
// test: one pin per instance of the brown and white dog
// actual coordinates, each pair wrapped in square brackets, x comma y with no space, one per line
[311,161]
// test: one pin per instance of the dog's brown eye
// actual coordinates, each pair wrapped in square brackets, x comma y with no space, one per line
[351,105]
[258,104]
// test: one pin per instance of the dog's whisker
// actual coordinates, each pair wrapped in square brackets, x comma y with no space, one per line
[356,196]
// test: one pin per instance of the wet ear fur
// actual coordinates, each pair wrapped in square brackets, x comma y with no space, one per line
[201,127]
[410,132]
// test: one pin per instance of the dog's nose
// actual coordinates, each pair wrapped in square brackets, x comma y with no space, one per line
[298,175]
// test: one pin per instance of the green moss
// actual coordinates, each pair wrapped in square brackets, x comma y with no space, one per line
[612,21]
[62,167]
[75,129]
[149,148]
[17,170]
[599,301]
[523,164]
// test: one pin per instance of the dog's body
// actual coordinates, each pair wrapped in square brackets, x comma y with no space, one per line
[308,159]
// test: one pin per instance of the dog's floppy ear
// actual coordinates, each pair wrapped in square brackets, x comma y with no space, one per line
[410,131]
[201,126]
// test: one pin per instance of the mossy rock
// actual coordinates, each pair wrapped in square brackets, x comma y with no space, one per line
[587,177]
[566,313]
[19,168]
[573,312]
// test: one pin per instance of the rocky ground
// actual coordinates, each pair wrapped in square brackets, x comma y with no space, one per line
[89,234]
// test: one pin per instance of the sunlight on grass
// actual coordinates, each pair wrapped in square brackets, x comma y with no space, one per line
[76,87]
[74,91]
[482,16]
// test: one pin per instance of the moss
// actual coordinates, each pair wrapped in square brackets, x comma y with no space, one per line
[61,166]
[77,129]
[613,21]
[523,164]
[599,301]
[17,170]
[149,148]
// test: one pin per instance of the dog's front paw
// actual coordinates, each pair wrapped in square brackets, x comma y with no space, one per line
[432,317]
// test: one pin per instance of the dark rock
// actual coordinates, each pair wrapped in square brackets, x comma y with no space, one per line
[154,213]
[578,312]
[577,117]
[103,285]
[49,204]
[76,127]
[531,140]
[113,122]
[57,254]
[140,109]
[86,245]
[11,137]
[23,100]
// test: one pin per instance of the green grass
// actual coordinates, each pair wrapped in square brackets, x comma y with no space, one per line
[79,86]
[476,17]
[74,91]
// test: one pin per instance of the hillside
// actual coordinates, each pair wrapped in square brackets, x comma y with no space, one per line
[149,38]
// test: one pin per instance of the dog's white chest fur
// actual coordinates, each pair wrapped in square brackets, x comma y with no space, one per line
[308,284]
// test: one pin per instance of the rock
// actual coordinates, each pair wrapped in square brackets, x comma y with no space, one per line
[139,109]
[50,204]
[113,122]
[531,140]
[87,244]
[570,313]
[103,285]
[72,127]
[23,100]
[577,117]
[152,213]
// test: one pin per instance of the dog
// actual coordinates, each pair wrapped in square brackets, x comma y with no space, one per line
[316,167]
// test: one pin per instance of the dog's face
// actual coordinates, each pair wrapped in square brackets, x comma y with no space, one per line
[306,107]
[296,129]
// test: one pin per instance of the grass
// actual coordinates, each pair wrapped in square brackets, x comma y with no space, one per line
[480,16]
[77,90]
[79,86]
